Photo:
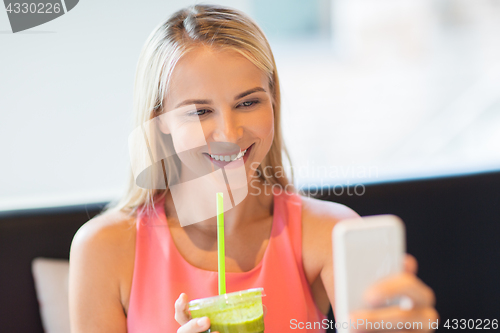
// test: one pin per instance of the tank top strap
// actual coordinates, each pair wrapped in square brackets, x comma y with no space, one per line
[148,216]
[288,210]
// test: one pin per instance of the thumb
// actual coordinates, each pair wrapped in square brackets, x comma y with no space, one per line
[410,264]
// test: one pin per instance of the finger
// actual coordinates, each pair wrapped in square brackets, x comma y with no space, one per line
[396,286]
[410,264]
[195,325]
[393,319]
[181,309]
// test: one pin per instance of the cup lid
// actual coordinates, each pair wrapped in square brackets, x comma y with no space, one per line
[234,296]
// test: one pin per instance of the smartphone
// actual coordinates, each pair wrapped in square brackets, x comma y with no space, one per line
[365,250]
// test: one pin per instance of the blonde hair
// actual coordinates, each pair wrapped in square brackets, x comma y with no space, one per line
[214,26]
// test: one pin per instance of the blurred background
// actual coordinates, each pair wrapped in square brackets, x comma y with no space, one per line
[373,90]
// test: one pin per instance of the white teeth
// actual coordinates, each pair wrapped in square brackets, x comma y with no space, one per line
[228,158]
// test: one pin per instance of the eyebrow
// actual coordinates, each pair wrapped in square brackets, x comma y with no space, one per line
[209,101]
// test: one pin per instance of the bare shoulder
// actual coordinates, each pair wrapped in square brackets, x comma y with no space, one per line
[108,230]
[318,219]
[320,213]
[104,247]
[101,261]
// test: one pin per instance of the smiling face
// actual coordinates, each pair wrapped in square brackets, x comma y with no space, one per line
[229,98]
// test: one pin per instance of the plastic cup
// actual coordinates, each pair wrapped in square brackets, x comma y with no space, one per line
[237,312]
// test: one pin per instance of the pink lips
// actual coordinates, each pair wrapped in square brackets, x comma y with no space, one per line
[222,164]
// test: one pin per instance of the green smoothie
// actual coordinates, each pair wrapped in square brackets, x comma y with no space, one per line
[238,312]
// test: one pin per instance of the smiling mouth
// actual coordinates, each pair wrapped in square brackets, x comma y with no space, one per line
[229,158]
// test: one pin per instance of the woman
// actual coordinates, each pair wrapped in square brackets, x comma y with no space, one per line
[131,264]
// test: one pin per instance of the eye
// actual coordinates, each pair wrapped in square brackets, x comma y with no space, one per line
[199,113]
[247,104]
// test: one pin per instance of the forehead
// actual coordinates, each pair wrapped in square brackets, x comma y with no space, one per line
[212,73]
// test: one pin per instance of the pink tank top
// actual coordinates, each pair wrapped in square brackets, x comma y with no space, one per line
[161,274]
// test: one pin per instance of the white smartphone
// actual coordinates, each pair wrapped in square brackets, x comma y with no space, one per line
[365,250]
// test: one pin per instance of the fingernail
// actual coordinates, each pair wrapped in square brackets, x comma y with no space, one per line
[202,321]
[405,303]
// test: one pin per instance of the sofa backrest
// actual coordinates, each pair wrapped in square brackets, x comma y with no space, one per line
[25,235]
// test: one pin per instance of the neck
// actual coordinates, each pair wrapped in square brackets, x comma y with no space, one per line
[257,205]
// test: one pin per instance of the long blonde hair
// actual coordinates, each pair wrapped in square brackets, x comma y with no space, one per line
[187,28]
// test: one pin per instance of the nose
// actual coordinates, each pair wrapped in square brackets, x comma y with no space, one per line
[227,127]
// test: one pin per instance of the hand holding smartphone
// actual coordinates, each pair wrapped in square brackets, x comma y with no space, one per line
[365,250]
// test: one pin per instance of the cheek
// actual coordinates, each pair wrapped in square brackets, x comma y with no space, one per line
[262,128]
[265,127]
[188,136]
[180,141]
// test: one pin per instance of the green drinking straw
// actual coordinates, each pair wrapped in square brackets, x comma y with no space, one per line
[220,244]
